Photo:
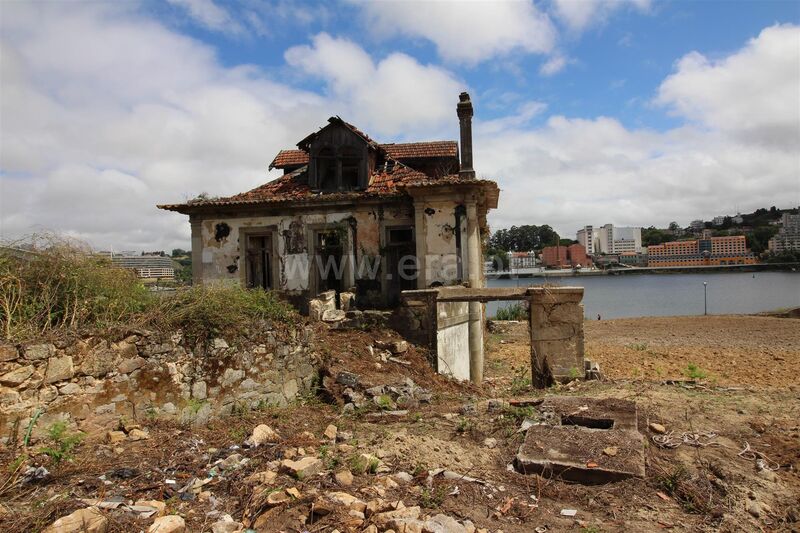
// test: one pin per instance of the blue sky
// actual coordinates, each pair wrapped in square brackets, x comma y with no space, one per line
[587,112]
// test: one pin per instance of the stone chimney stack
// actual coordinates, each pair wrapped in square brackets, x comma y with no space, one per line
[464,110]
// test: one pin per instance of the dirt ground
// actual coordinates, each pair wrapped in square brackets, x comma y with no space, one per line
[752,404]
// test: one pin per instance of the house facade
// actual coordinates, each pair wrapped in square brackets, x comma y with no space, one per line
[350,214]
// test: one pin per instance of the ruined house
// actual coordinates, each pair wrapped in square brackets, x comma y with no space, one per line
[350,214]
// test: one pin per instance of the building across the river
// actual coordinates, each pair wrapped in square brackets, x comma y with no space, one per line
[728,250]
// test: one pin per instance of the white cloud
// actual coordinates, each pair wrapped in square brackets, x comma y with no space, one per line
[553,66]
[210,15]
[740,148]
[579,15]
[752,93]
[397,96]
[93,137]
[465,32]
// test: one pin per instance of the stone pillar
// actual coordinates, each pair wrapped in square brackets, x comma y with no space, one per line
[556,320]
[475,277]
[197,249]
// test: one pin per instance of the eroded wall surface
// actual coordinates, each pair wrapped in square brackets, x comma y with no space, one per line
[438,233]
[223,245]
[557,347]
[91,382]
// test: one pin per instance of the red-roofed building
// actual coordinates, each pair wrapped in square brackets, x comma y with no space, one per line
[350,213]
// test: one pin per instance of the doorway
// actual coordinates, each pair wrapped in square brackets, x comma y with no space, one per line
[330,266]
[401,262]
[259,261]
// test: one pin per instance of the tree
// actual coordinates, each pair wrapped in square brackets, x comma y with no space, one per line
[178,252]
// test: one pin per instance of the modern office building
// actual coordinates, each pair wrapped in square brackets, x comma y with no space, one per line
[729,250]
[585,238]
[610,239]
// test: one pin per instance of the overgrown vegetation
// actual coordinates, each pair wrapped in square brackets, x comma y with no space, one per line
[60,286]
[516,311]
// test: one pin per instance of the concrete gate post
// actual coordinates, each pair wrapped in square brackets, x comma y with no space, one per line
[556,324]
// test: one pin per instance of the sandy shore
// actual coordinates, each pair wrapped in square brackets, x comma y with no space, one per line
[727,350]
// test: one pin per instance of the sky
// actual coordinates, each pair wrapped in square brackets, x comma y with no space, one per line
[632,112]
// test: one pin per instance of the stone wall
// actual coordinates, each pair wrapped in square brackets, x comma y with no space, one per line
[140,375]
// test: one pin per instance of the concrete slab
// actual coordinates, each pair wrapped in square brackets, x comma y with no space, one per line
[591,441]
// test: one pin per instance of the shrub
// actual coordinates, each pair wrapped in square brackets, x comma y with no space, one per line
[516,311]
[206,311]
[64,287]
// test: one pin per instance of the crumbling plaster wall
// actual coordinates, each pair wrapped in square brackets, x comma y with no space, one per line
[438,233]
[222,257]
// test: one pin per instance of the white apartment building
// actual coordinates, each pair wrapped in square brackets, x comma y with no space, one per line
[788,237]
[586,239]
[610,239]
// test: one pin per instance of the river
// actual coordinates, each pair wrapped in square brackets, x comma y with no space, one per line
[632,295]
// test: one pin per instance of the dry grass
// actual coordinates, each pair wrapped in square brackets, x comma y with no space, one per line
[61,287]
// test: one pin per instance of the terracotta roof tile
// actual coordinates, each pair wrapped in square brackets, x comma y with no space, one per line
[421,149]
[398,151]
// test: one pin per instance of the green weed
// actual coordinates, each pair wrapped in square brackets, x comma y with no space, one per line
[63,442]
[694,372]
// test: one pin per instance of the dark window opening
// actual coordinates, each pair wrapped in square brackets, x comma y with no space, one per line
[259,261]
[326,170]
[351,162]
[400,236]
[593,423]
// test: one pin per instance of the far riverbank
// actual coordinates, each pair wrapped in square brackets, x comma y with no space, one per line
[650,294]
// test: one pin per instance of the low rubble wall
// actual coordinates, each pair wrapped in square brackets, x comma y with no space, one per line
[140,375]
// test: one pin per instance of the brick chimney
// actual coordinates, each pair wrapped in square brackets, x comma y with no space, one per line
[464,110]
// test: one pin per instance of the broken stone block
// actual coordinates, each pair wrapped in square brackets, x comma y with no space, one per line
[266,477]
[16,377]
[59,369]
[333,315]
[168,524]
[8,352]
[344,478]
[571,440]
[114,437]
[138,434]
[346,301]
[390,519]
[39,351]
[330,432]
[226,525]
[396,347]
[442,523]
[88,520]
[657,428]
[348,379]
[159,506]
[304,468]
[278,497]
